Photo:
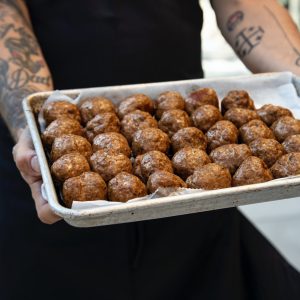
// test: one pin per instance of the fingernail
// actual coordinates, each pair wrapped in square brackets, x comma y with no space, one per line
[35,164]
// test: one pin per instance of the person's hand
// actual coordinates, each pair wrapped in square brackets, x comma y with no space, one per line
[27,163]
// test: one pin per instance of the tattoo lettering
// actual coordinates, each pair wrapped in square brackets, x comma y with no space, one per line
[296,51]
[20,77]
[247,40]
[234,20]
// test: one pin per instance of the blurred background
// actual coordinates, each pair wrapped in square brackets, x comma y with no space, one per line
[279,221]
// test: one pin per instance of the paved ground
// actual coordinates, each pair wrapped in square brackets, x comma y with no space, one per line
[279,221]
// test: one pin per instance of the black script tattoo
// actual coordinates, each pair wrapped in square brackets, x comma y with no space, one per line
[234,20]
[22,49]
[10,98]
[296,51]
[22,69]
[247,40]
[20,77]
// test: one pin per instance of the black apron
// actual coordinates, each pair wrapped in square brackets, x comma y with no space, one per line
[212,255]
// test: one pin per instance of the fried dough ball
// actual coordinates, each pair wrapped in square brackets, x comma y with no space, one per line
[69,165]
[255,129]
[86,187]
[222,133]
[240,116]
[93,106]
[188,137]
[239,98]
[153,161]
[134,121]
[135,102]
[68,143]
[149,139]
[164,179]
[252,170]
[210,177]
[285,126]
[111,142]
[104,122]
[108,165]
[270,113]
[125,187]
[201,97]
[292,143]
[56,109]
[188,160]
[60,127]
[287,165]
[169,100]
[206,116]
[230,156]
[173,120]
[268,150]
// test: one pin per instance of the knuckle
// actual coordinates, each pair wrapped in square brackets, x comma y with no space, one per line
[21,161]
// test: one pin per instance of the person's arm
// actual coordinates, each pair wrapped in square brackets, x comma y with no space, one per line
[23,71]
[261,32]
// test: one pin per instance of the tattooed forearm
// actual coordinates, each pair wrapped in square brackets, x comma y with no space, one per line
[262,33]
[247,39]
[22,69]
[296,51]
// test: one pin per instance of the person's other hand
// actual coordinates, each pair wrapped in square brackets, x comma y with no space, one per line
[27,163]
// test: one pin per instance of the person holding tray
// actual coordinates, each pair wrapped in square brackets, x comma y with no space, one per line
[75,44]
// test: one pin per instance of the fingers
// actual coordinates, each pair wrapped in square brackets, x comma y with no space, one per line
[44,212]
[26,159]
[27,163]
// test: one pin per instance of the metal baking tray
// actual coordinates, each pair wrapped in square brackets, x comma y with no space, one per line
[263,88]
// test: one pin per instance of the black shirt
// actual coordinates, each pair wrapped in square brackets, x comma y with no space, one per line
[91,43]
[212,255]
